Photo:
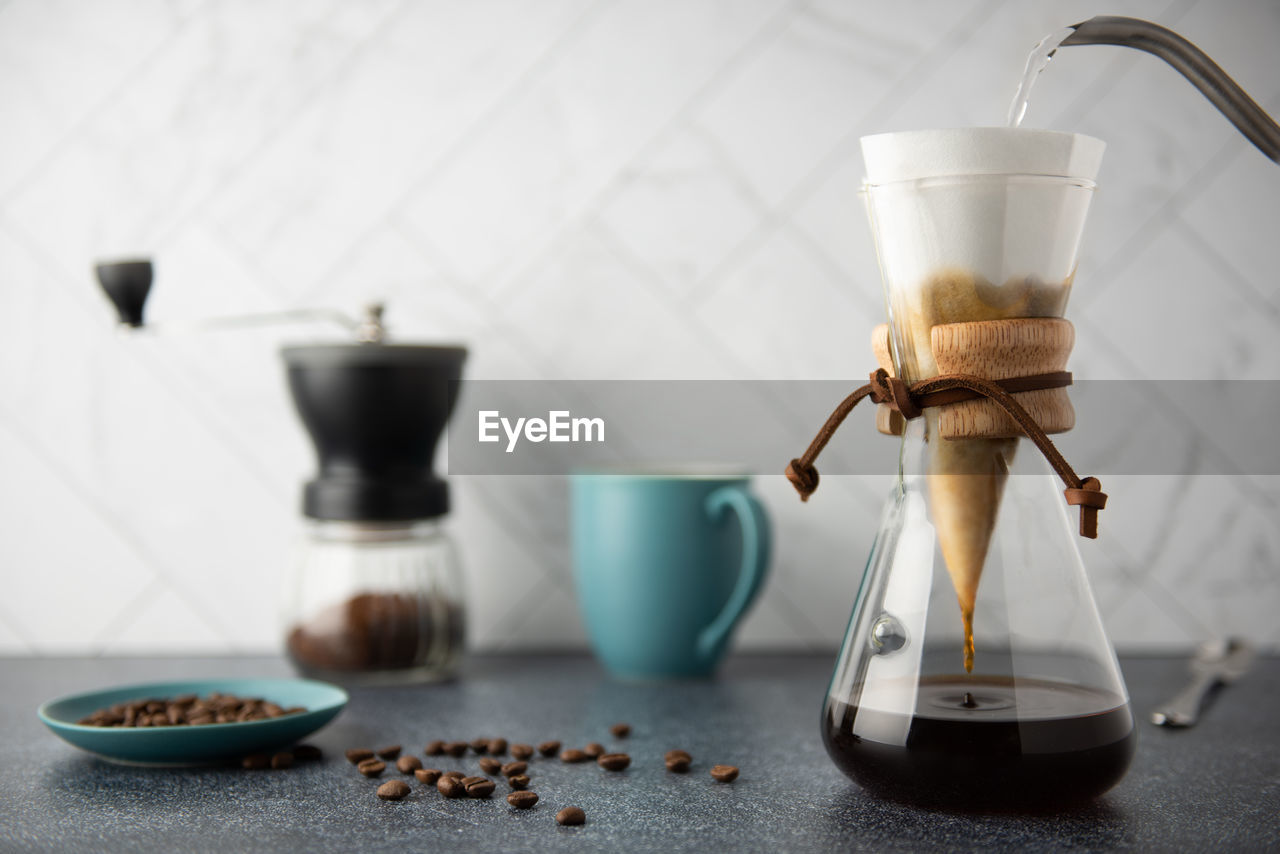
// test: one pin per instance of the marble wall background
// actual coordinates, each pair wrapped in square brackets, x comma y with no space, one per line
[666,179]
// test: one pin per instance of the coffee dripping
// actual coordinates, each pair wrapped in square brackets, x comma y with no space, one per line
[975,672]
[375,594]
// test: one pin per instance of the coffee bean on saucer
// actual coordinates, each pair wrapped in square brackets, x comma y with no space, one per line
[620,730]
[679,764]
[522,800]
[307,753]
[571,816]
[456,748]
[549,748]
[372,767]
[408,764]
[613,761]
[573,755]
[393,790]
[255,762]
[522,751]
[489,765]
[388,752]
[356,755]
[724,773]
[595,750]
[497,746]
[518,781]
[482,788]
[480,745]
[430,776]
[282,760]
[513,768]
[434,748]
[451,787]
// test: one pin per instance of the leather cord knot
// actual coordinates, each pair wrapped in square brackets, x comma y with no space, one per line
[804,477]
[1090,498]
[894,393]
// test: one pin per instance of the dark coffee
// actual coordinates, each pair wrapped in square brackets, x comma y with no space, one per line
[377,632]
[986,743]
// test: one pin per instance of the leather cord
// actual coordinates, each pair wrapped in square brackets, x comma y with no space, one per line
[911,401]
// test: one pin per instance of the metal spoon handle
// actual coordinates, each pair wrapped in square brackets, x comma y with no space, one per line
[1184,709]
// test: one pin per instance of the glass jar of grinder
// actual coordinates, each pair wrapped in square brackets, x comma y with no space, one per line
[975,672]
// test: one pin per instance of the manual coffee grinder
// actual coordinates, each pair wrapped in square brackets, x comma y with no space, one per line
[975,671]
[375,594]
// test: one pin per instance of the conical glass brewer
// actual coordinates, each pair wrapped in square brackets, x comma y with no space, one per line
[975,671]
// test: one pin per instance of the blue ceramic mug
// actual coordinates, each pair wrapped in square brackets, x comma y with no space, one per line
[666,566]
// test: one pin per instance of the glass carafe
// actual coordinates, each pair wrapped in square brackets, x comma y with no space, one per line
[975,671]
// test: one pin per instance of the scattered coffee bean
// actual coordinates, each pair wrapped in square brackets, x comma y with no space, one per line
[573,755]
[522,751]
[480,789]
[457,775]
[522,800]
[489,765]
[434,748]
[571,816]
[724,773]
[408,764]
[513,768]
[518,781]
[670,754]
[613,761]
[480,745]
[393,790]
[451,787]
[549,748]
[372,767]
[256,762]
[187,710]
[356,755]
[282,760]
[474,778]
[389,752]
[497,746]
[456,748]
[679,764]
[620,730]
[430,776]
[307,753]
[595,750]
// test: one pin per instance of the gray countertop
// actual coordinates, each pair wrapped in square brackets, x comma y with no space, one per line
[1214,787]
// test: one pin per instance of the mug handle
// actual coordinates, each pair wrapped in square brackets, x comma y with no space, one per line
[756,540]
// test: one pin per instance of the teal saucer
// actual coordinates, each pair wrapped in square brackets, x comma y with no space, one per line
[194,745]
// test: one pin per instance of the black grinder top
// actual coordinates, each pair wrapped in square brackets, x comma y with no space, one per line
[375,413]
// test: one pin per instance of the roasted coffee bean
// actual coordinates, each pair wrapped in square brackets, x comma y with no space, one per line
[393,790]
[372,767]
[408,764]
[518,781]
[434,748]
[255,761]
[573,755]
[549,748]
[282,760]
[307,753]
[513,768]
[614,761]
[455,774]
[595,750]
[186,710]
[451,787]
[480,789]
[497,746]
[679,764]
[474,778]
[522,800]
[356,755]
[522,751]
[389,752]
[724,773]
[480,745]
[570,816]
[489,765]
[456,748]
[430,776]
[620,730]
[675,753]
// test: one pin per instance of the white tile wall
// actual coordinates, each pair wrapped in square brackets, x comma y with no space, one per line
[503,172]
